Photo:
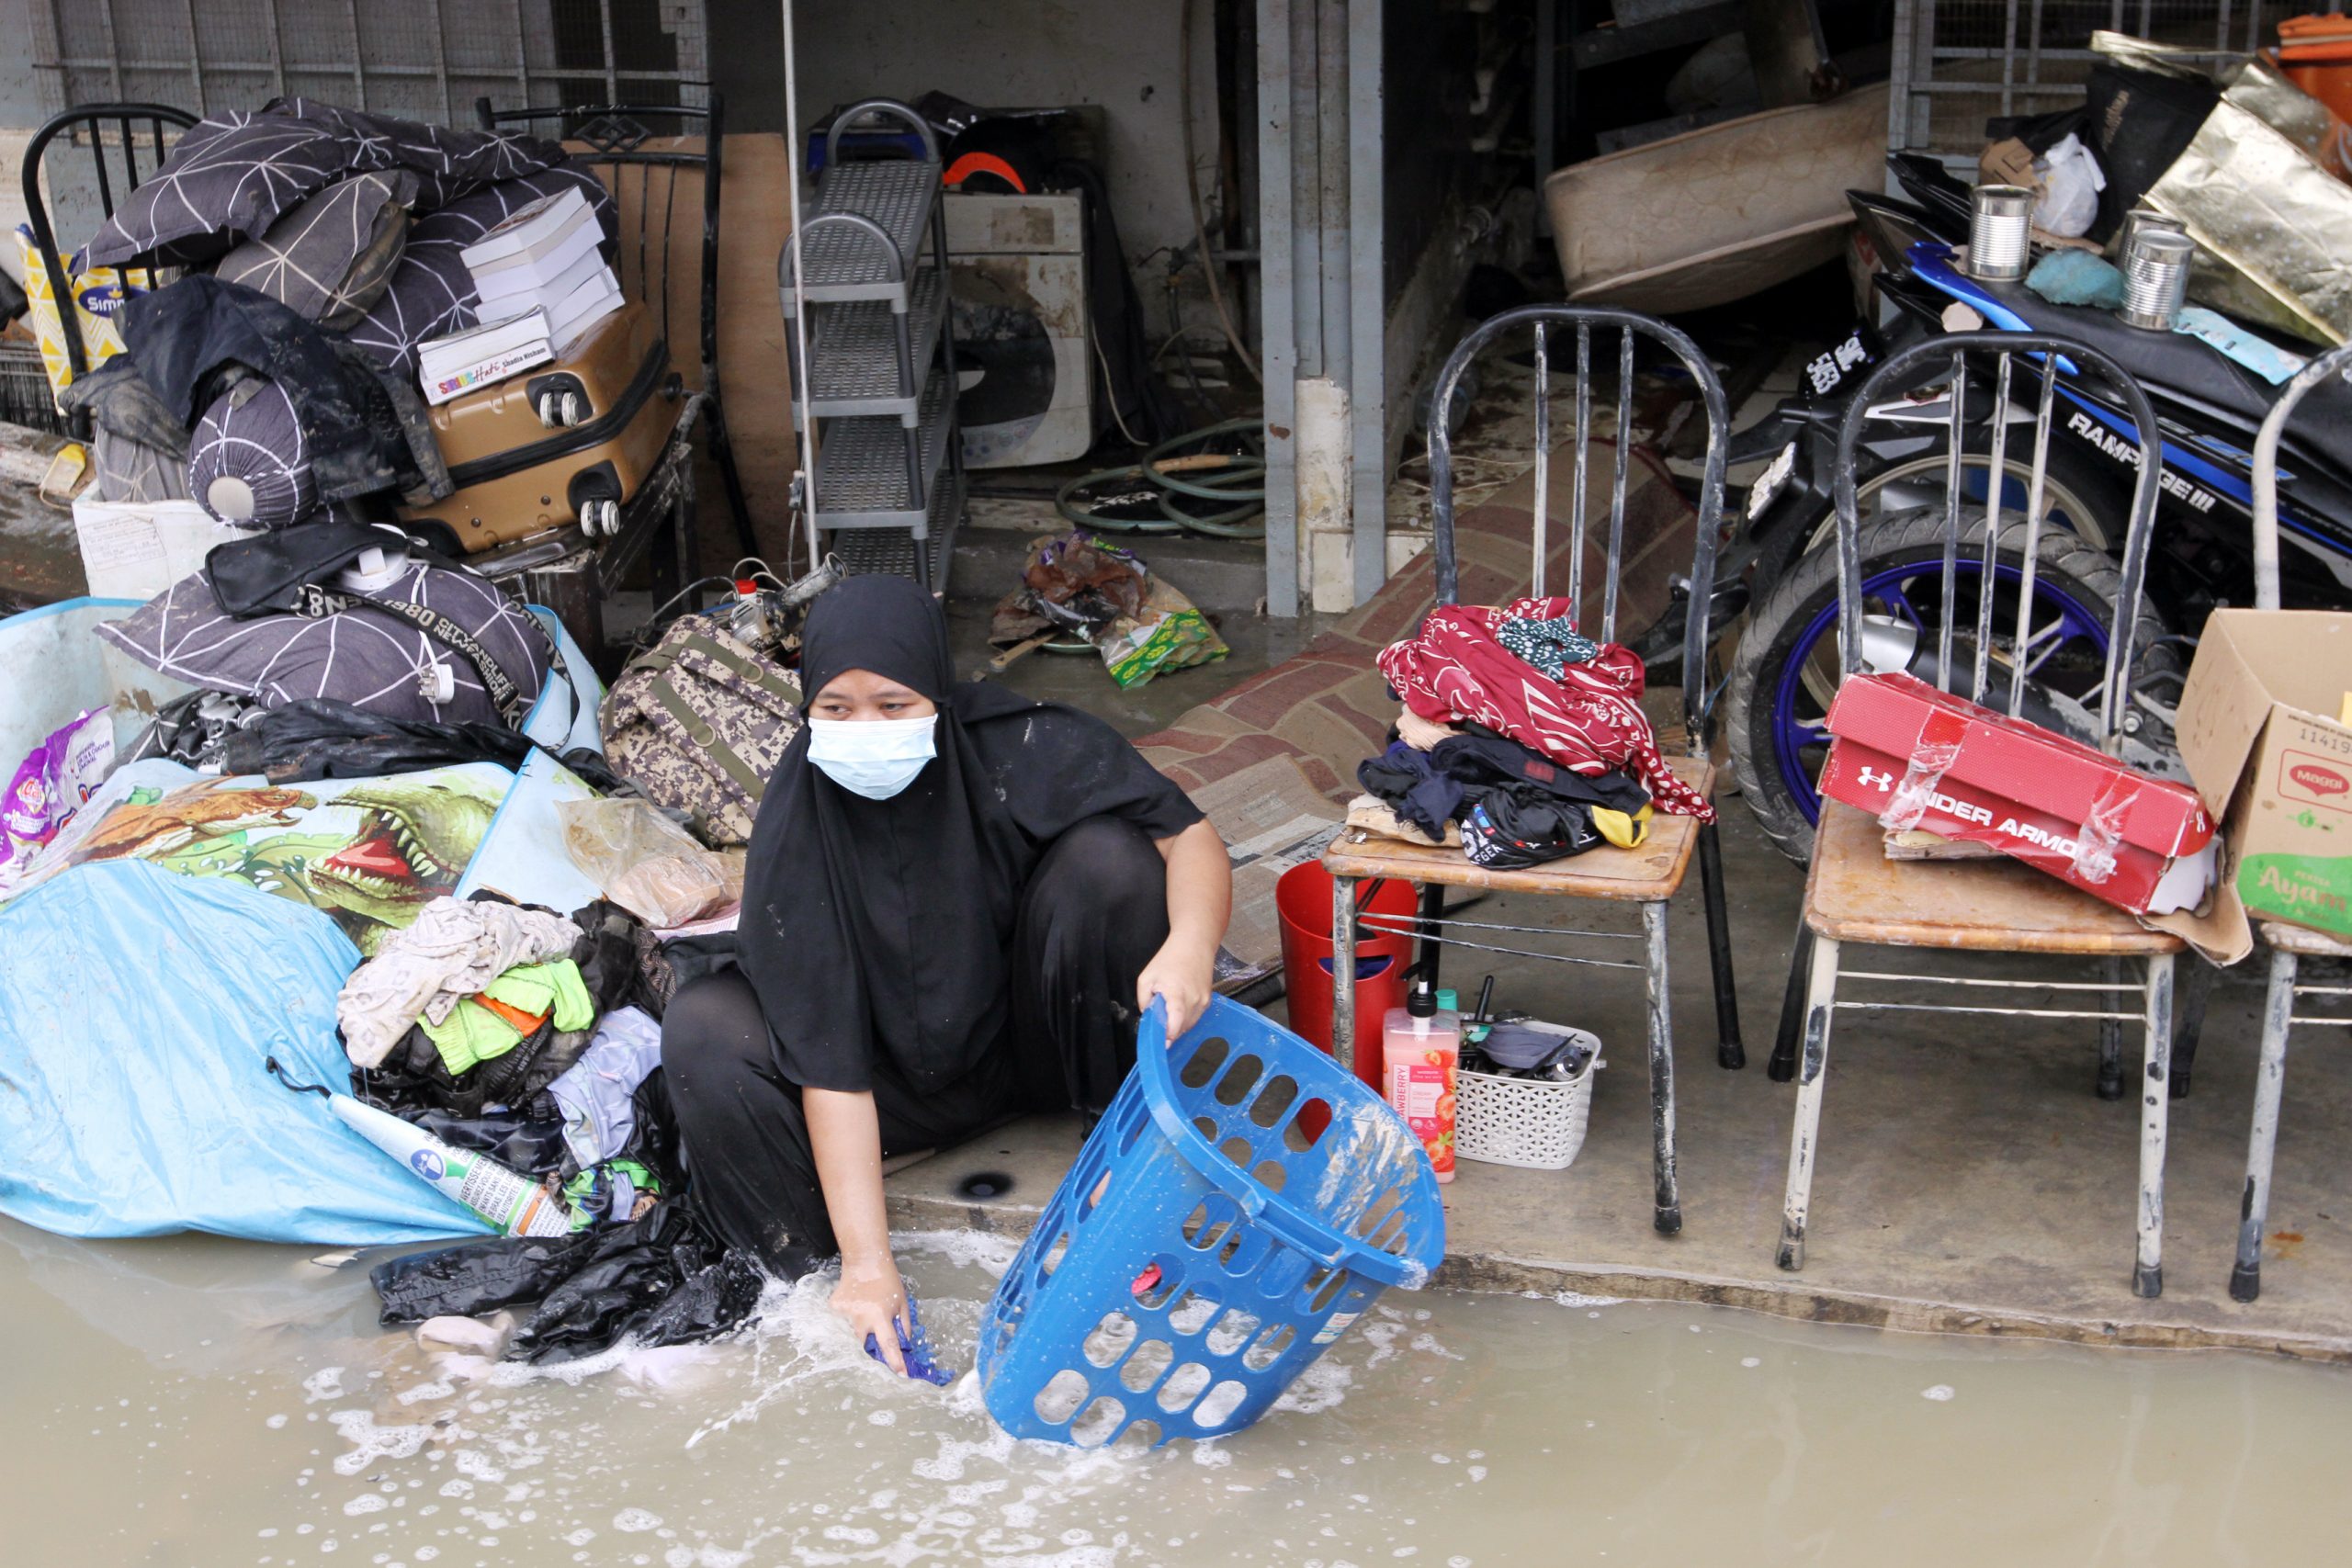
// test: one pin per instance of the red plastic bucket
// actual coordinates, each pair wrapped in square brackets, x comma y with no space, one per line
[1302,899]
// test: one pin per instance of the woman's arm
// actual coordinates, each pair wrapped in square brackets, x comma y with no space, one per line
[1200,900]
[846,1137]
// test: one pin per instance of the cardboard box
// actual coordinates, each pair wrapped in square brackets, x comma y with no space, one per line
[1969,773]
[136,549]
[2271,762]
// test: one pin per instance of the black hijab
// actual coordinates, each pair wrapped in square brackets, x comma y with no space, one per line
[875,931]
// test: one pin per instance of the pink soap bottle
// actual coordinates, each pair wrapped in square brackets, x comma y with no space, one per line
[1420,1051]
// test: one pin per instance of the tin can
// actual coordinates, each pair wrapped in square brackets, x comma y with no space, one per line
[2155,277]
[1999,237]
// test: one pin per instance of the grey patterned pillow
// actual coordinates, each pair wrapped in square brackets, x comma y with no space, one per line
[246,462]
[372,659]
[231,177]
[130,470]
[330,258]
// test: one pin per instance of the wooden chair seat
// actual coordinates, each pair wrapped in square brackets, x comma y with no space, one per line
[1647,874]
[2301,941]
[1854,892]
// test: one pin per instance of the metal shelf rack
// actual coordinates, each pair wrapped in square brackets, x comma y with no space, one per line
[880,387]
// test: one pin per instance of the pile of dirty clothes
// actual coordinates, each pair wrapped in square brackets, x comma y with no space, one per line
[1521,740]
[534,1042]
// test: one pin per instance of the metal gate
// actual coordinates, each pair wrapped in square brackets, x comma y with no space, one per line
[1958,63]
[420,58]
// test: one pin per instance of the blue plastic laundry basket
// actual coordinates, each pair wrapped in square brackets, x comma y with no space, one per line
[1244,1200]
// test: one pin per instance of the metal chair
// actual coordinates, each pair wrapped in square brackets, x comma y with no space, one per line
[1854,894]
[110,129]
[1651,874]
[2288,944]
[616,135]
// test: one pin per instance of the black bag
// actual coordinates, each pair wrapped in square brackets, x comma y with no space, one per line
[2140,122]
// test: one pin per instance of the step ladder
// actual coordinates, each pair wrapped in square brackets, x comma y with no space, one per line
[879,385]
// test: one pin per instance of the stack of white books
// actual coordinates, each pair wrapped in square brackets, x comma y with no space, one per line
[543,265]
[451,366]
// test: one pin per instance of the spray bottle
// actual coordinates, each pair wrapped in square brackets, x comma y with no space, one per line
[1420,1051]
[510,1202]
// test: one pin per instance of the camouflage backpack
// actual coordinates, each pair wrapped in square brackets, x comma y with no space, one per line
[698,723]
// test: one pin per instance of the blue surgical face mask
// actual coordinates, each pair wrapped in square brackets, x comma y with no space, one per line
[874,758]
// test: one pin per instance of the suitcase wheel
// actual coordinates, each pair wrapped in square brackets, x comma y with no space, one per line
[600,517]
[559,411]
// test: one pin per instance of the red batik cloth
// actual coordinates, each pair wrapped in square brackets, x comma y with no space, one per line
[1588,721]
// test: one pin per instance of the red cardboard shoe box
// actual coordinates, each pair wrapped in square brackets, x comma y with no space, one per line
[1966,771]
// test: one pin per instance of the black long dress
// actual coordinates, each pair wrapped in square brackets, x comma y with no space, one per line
[965,950]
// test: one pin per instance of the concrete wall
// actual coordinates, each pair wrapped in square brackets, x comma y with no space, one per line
[22,105]
[1012,53]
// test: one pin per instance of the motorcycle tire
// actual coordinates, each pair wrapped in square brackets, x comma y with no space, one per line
[1788,617]
[2090,501]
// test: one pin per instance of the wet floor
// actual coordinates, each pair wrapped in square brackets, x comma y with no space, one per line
[195,1402]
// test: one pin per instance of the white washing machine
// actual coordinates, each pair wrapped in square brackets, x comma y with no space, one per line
[1017,286]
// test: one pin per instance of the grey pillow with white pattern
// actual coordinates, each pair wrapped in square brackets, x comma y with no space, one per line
[127,469]
[229,177]
[372,659]
[247,463]
[330,259]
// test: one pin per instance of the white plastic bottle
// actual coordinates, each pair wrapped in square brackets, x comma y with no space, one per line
[506,1198]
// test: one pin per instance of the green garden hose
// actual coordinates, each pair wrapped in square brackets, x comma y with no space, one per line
[1173,472]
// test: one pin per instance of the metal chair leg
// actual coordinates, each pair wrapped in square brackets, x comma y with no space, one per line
[2110,1038]
[1783,1065]
[2269,1081]
[1667,1198]
[1343,972]
[1432,918]
[2156,1103]
[1730,1052]
[2190,1026]
[1821,1004]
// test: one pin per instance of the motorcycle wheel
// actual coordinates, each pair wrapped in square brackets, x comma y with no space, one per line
[2075,494]
[1777,696]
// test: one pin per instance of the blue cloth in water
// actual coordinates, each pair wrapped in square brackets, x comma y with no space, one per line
[136,1008]
[915,1345]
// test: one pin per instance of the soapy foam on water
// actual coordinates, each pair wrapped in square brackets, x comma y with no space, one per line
[978,1494]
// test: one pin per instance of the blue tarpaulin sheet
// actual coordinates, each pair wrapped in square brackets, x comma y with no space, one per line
[137,1009]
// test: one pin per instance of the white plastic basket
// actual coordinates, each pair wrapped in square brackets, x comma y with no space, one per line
[1535,1124]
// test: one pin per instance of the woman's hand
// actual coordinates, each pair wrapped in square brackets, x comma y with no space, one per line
[1200,900]
[1185,972]
[872,1300]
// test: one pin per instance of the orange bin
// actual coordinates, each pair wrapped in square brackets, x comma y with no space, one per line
[2316,54]
[1302,899]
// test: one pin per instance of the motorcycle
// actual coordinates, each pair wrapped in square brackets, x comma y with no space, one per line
[1782,566]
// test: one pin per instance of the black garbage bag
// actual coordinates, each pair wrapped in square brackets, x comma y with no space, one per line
[531,1145]
[661,1279]
[476,1278]
[318,738]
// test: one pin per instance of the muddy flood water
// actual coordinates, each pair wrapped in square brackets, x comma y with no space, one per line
[194,1402]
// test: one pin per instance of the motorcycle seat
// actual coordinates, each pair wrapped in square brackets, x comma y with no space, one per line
[2177,368]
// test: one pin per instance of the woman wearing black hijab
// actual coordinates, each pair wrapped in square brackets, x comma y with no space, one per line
[957,902]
